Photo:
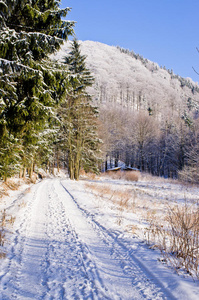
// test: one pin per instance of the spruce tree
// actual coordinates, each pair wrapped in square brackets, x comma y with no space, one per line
[9,156]
[30,85]
[79,117]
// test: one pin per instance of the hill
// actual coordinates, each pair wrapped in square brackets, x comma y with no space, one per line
[148,115]
[125,78]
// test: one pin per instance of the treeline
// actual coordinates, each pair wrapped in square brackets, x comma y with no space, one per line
[46,115]
[163,145]
[154,67]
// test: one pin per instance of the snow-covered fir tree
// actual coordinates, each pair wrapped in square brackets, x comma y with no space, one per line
[79,117]
[30,85]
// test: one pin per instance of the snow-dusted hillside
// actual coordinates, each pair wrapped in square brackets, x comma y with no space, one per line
[125,78]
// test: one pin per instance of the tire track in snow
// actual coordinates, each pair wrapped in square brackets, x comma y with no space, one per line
[147,285]
[47,260]
[10,282]
[80,271]
[52,257]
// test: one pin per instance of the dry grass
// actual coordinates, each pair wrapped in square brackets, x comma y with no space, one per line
[22,204]
[122,199]
[157,179]
[13,184]
[4,221]
[133,229]
[2,228]
[3,190]
[2,237]
[125,175]
[184,237]
[106,192]
[173,229]
[89,175]
[132,175]
[177,236]
[114,175]
[11,220]
[2,255]
[8,185]
[103,192]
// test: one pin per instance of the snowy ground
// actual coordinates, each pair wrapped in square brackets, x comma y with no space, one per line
[70,242]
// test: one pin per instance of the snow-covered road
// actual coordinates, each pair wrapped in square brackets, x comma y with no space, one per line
[61,250]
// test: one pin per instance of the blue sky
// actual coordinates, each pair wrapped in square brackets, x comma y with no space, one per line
[164,31]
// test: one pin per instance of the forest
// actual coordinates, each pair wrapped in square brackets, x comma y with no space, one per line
[155,128]
[80,113]
[148,116]
[44,107]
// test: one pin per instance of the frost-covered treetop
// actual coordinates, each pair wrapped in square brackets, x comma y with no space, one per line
[124,78]
[30,30]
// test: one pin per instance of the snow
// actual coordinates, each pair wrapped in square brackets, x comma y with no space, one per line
[122,79]
[66,243]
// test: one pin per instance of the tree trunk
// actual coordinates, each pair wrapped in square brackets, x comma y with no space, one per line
[21,173]
[116,162]
[24,172]
[106,163]
[30,170]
